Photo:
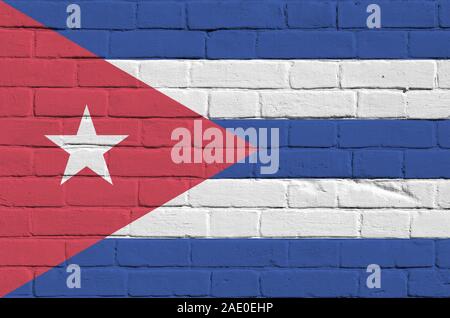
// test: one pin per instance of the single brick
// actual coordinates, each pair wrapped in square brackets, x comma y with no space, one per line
[77,222]
[153,252]
[52,44]
[183,282]
[429,44]
[98,73]
[306,44]
[14,222]
[164,15]
[427,164]
[313,253]
[231,45]
[10,278]
[70,102]
[256,253]
[16,162]
[102,253]
[116,15]
[312,133]
[94,282]
[444,134]
[414,253]
[314,163]
[394,14]
[309,283]
[124,192]
[386,133]
[17,43]
[235,14]
[443,253]
[378,164]
[394,284]
[32,252]
[16,102]
[28,132]
[444,9]
[429,283]
[361,253]
[158,43]
[235,283]
[385,44]
[32,192]
[37,72]
[311,15]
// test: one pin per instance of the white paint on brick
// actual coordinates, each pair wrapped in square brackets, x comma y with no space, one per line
[308,104]
[314,74]
[385,224]
[443,74]
[240,74]
[386,194]
[234,104]
[431,224]
[164,73]
[239,193]
[428,104]
[290,87]
[196,100]
[234,223]
[388,74]
[381,103]
[312,193]
[321,223]
[171,222]
[302,208]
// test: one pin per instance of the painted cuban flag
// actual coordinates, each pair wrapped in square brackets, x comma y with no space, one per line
[224,148]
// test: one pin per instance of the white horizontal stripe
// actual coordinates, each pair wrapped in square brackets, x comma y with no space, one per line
[303,208]
[302,88]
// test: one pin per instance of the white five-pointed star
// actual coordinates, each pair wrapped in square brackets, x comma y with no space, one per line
[86,149]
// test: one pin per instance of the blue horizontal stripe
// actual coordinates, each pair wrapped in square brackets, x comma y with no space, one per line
[242,29]
[351,149]
[252,268]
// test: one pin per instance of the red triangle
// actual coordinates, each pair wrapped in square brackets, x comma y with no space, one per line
[39,217]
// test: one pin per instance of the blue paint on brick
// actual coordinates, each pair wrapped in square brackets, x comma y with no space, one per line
[382,44]
[223,253]
[361,253]
[303,44]
[313,253]
[101,254]
[170,44]
[253,268]
[313,133]
[165,15]
[386,133]
[427,164]
[153,253]
[309,283]
[97,41]
[311,14]
[428,44]
[206,15]
[378,164]
[94,282]
[444,134]
[429,283]
[394,14]
[394,284]
[231,45]
[169,282]
[313,164]
[443,253]
[284,29]
[235,283]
